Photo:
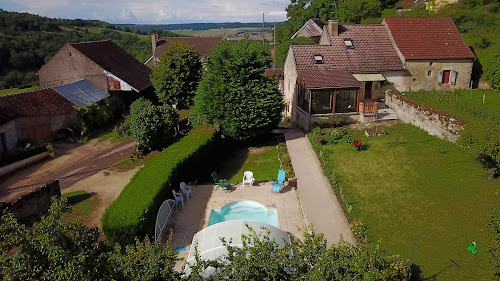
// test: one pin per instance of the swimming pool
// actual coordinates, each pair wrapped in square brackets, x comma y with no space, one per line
[244,210]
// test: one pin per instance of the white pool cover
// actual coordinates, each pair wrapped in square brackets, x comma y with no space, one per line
[210,246]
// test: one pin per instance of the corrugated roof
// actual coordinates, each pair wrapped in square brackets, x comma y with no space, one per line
[117,61]
[312,27]
[373,51]
[203,45]
[82,92]
[331,78]
[35,103]
[427,38]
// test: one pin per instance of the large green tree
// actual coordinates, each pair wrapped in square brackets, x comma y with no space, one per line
[152,126]
[234,94]
[353,11]
[177,74]
[261,258]
[53,249]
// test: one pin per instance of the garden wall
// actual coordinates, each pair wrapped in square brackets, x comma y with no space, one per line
[31,207]
[436,123]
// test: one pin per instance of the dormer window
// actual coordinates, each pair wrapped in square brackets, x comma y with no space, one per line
[318,59]
[348,44]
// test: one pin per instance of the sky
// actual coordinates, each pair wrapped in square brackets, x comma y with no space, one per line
[154,11]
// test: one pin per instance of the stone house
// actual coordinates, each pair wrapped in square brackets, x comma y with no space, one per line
[313,28]
[102,63]
[34,115]
[353,65]
[159,45]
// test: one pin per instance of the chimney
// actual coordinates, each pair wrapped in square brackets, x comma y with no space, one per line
[154,40]
[333,27]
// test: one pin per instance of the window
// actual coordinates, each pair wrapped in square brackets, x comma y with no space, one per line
[447,77]
[431,63]
[348,44]
[318,59]
[70,54]
[429,73]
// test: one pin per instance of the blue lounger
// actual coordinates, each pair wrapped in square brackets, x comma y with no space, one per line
[280,181]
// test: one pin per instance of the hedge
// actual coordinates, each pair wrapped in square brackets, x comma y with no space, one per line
[134,212]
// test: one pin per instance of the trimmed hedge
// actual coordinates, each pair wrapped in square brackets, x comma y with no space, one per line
[134,212]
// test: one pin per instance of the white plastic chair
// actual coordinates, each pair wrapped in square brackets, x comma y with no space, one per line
[248,178]
[178,198]
[186,189]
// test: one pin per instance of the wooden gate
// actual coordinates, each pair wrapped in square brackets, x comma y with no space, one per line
[37,133]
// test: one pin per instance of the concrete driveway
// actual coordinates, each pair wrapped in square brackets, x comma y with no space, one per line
[71,164]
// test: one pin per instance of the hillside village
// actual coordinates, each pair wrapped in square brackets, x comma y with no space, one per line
[358,145]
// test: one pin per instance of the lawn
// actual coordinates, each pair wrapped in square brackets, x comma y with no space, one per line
[409,184]
[263,161]
[16,90]
[81,202]
[466,104]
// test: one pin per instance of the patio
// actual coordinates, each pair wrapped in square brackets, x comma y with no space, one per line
[196,211]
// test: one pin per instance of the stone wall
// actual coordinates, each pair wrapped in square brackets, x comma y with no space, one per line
[29,127]
[436,123]
[31,207]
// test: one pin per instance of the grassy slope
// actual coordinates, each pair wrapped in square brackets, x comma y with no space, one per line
[424,188]
[16,90]
[467,104]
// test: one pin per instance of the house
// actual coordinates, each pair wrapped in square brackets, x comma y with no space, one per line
[405,5]
[102,63]
[313,28]
[353,65]
[34,115]
[203,46]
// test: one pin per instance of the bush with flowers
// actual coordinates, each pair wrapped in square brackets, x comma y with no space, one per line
[358,145]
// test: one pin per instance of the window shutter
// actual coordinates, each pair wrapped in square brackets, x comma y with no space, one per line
[440,77]
[453,77]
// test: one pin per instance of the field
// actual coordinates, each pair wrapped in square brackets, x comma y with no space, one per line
[410,185]
[231,33]
[16,90]
[466,104]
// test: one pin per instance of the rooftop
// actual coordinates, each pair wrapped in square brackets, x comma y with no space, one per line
[82,92]
[334,78]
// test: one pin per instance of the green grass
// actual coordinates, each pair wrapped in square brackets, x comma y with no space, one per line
[409,184]
[229,32]
[81,202]
[115,137]
[184,113]
[467,105]
[16,90]
[262,161]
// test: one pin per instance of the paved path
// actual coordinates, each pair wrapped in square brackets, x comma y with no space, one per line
[321,207]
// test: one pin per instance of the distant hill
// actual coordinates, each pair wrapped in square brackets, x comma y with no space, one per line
[28,41]
[198,26]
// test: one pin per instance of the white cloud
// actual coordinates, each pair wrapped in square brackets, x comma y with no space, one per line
[159,11]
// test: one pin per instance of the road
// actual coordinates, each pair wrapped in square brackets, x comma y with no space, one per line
[71,164]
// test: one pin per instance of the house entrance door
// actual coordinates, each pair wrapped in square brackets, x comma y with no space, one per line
[368,90]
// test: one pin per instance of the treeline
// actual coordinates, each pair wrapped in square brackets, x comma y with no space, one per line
[196,26]
[28,41]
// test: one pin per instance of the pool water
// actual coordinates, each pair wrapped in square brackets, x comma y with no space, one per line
[244,210]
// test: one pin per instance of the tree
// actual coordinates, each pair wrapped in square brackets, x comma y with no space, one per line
[234,94]
[353,11]
[153,127]
[282,49]
[177,75]
[261,258]
[53,249]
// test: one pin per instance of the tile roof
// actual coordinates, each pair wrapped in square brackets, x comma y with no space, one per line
[34,103]
[203,45]
[312,27]
[427,38]
[118,62]
[82,92]
[332,78]
[373,51]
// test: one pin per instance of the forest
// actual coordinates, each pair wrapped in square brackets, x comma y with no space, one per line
[28,41]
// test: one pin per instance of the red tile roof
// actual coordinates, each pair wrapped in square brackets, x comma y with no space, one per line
[332,78]
[203,45]
[117,61]
[373,51]
[34,103]
[427,38]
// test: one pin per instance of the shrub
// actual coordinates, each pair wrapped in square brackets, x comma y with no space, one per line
[491,66]
[286,162]
[152,126]
[494,244]
[134,212]
[358,145]
[94,116]
[483,140]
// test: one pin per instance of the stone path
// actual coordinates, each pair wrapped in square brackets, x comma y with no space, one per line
[320,205]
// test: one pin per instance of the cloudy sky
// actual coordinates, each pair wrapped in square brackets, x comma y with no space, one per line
[154,11]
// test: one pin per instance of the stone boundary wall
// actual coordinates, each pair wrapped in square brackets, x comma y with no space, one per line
[31,207]
[5,170]
[436,123]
